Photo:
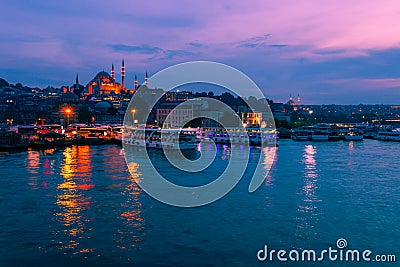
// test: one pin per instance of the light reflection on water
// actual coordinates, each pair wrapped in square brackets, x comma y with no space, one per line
[131,216]
[77,198]
[77,188]
[270,157]
[82,203]
[308,209]
[72,201]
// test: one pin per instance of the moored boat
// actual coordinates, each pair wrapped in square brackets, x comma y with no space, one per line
[49,140]
[320,132]
[11,141]
[183,139]
[388,134]
[238,135]
[353,134]
[301,134]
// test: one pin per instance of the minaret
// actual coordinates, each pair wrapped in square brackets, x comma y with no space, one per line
[291,98]
[123,74]
[298,99]
[112,71]
[77,82]
[135,83]
[146,81]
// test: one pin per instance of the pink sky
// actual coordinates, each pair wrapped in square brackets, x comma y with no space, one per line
[271,41]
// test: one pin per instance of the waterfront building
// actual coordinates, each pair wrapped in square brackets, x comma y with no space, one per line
[176,114]
[168,115]
[252,118]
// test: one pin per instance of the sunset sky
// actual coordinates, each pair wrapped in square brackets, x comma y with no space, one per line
[343,52]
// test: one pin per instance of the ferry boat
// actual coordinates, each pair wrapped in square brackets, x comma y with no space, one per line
[301,134]
[336,133]
[90,135]
[179,139]
[370,131]
[49,140]
[353,134]
[320,132]
[251,136]
[11,141]
[388,134]
[327,132]
[311,133]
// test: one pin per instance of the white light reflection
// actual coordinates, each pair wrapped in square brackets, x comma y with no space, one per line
[308,209]
[269,159]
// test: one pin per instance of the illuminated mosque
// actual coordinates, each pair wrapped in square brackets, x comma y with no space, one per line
[292,103]
[105,84]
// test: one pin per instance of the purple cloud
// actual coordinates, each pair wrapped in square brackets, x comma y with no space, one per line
[285,47]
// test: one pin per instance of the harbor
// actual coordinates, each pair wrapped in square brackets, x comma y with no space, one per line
[23,137]
[345,132]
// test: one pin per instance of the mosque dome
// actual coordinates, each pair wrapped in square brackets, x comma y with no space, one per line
[102,74]
[69,97]
[291,103]
[104,105]
[103,77]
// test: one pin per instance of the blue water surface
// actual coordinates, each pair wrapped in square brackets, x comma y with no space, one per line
[81,207]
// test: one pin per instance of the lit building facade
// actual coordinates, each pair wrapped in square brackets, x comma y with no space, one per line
[103,83]
[252,118]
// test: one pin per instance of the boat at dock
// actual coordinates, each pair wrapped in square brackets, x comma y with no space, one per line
[353,134]
[158,138]
[317,132]
[251,136]
[301,134]
[320,132]
[11,141]
[388,134]
[327,132]
[49,140]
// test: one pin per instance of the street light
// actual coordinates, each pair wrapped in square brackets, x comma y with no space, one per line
[68,111]
[133,115]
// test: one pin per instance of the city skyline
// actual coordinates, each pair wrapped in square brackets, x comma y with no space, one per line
[343,52]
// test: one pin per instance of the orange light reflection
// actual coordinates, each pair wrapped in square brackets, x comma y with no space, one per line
[71,200]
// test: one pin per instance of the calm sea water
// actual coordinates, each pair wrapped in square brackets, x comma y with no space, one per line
[80,207]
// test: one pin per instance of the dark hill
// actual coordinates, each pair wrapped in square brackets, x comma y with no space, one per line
[3,83]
